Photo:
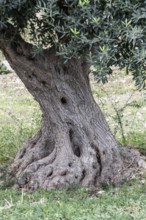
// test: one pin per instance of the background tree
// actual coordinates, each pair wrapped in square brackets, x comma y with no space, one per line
[51,45]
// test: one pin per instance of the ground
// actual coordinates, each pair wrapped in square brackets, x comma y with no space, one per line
[125,203]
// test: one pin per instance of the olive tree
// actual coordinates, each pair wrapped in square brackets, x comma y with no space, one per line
[51,45]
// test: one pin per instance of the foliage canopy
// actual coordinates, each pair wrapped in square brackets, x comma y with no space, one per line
[107,32]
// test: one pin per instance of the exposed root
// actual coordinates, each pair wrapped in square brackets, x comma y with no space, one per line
[53,172]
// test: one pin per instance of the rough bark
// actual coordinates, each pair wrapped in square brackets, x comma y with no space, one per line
[74,144]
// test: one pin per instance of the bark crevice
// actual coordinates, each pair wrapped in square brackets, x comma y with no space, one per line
[98,157]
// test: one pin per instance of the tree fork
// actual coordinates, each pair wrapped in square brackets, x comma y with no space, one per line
[74,144]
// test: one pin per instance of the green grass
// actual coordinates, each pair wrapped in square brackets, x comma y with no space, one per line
[125,203]
[119,99]
[136,139]
[20,119]
[19,116]
[15,130]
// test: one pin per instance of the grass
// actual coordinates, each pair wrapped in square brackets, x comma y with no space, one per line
[19,116]
[136,139]
[20,119]
[120,101]
[125,203]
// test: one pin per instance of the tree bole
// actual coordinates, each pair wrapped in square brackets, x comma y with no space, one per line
[74,144]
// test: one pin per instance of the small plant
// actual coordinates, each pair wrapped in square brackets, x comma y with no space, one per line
[3,69]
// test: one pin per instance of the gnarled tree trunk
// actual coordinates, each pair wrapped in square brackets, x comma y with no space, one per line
[74,144]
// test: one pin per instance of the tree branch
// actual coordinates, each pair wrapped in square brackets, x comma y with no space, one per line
[12,42]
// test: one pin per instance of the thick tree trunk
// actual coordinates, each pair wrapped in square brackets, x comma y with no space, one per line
[74,144]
